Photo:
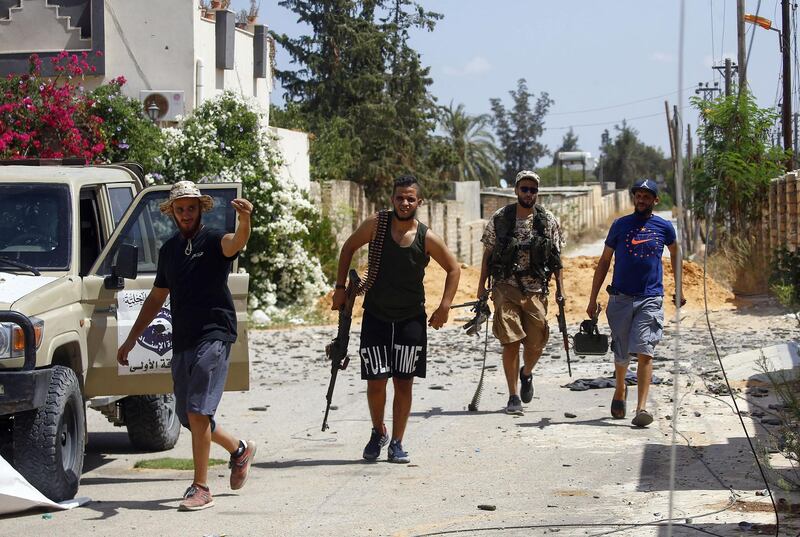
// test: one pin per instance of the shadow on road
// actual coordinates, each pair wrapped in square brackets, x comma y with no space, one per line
[299,463]
[438,411]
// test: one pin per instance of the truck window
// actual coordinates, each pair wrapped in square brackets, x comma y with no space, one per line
[91,239]
[120,198]
[36,225]
[148,228]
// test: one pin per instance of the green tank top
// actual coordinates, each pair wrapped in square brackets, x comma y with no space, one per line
[398,292]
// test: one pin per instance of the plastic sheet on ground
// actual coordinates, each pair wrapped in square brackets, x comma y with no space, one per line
[17,495]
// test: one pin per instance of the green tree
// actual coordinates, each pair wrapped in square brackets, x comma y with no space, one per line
[358,77]
[473,144]
[737,161]
[568,143]
[519,129]
[624,159]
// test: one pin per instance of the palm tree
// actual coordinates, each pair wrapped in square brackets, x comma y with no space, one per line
[473,143]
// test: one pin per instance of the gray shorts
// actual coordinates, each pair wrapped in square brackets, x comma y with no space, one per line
[637,325]
[198,378]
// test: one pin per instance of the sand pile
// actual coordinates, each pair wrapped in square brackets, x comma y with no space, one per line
[578,274]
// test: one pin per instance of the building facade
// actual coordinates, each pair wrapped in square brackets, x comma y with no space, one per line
[174,54]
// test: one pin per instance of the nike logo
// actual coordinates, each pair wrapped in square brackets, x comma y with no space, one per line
[635,242]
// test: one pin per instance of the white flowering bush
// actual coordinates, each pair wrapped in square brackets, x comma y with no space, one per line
[224,140]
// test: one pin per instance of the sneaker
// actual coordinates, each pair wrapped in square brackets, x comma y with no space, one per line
[240,466]
[514,405]
[397,454]
[526,390]
[642,418]
[376,441]
[195,498]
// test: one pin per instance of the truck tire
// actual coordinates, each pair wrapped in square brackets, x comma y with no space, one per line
[152,422]
[49,441]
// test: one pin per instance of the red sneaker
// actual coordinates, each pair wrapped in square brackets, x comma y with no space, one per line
[195,498]
[240,466]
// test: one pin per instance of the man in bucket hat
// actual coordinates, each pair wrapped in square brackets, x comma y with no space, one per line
[636,295]
[193,268]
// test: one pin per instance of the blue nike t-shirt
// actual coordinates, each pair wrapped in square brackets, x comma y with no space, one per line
[638,244]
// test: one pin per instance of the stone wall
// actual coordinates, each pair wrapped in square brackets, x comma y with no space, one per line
[780,217]
[347,206]
[578,208]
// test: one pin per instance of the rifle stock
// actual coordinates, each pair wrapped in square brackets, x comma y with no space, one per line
[336,350]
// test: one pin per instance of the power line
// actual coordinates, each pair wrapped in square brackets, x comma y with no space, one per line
[713,53]
[722,40]
[605,122]
[616,105]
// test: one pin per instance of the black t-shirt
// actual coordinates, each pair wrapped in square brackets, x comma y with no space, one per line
[197,279]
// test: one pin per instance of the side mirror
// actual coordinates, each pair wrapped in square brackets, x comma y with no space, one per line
[126,266]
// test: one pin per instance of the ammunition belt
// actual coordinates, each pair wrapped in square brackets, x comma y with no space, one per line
[375,250]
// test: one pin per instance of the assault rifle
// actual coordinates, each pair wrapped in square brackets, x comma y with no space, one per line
[336,350]
[482,312]
[562,324]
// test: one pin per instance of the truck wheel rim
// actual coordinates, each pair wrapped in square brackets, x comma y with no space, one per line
[67,436]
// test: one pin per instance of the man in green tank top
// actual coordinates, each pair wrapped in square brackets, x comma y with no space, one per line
[393,330]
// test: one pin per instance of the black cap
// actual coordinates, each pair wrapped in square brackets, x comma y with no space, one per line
[645,184]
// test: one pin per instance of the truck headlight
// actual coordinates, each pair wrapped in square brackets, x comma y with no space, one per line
[12,339]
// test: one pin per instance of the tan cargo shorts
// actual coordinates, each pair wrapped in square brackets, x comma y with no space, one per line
[518,317]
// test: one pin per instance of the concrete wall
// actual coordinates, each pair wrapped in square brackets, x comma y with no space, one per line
[293,146]
[37,26]
[578,208]
[469,193]
[347,206]
[151,44]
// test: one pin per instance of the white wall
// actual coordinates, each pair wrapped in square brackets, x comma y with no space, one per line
[240,78]
[293,146]
[150,43]
[205,51]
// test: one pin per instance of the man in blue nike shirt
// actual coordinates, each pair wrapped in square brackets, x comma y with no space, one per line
[635,309]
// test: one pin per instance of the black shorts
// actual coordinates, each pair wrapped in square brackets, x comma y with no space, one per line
[408,341]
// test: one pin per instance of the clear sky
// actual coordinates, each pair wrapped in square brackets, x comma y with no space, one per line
[601,61]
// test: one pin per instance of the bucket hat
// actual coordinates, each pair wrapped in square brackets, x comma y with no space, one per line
[186,189]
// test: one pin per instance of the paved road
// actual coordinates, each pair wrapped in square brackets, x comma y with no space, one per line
[543,472]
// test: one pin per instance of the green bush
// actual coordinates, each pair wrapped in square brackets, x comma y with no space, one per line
[784,282]
[129,134]
[226,139]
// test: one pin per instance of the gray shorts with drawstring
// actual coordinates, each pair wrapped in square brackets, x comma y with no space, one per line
[198,377]
[637,325]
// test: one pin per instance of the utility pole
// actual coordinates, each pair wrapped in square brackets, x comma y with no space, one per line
[727,77]
[794,133]
[727,71]
[706,90]
[740,45]
[786,110]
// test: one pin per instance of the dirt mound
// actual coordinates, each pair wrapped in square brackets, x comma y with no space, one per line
[578,274]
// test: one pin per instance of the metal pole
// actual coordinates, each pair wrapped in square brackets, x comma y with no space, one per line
[740,45]
[787,83]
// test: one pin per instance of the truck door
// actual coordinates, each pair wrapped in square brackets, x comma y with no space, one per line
[111,312]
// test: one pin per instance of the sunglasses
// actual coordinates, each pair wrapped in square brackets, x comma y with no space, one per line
[528,189]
